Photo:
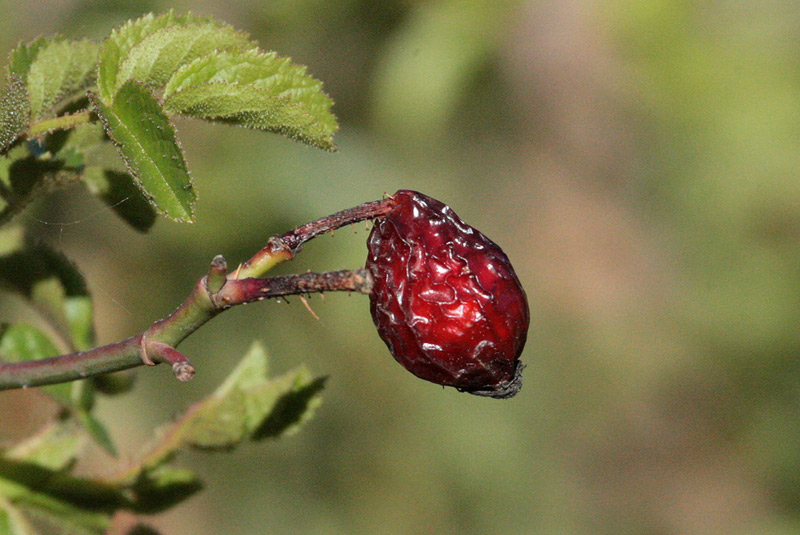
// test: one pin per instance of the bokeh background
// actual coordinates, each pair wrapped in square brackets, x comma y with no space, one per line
[638,162]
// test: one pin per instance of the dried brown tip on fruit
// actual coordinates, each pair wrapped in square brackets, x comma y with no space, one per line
[504,390]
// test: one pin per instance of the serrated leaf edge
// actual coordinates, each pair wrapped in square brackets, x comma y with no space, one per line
[95,100]
[107,88]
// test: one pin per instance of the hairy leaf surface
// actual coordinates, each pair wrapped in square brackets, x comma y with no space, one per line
[254,89]
[151,48]
[22,57]
[60,70]
[14,112]
[146,139]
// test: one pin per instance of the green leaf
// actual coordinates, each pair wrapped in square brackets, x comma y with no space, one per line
[72,314]
[294,407]
[116,47]
[55,498]
[68,147]
[22,57]
[151,48]
[146,140]
[118,190]
[18,478]
[243,407]
[55,285]
[79,315]
[60,70]
[249,373]
[254,89]
[84,505]
[14,112]
[12,521]
[24,177]
[161,488]
[221,420]
[160,54]
[55,447]
[21,342]
[216,424]
[249,405]
[53,517]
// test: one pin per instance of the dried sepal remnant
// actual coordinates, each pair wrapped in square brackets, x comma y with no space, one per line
[446,299]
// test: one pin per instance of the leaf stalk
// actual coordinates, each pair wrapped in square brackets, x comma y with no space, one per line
[63,122]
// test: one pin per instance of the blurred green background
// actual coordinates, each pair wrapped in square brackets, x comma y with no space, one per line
[638,162]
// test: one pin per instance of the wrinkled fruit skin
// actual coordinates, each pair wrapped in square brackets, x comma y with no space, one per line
[445,298]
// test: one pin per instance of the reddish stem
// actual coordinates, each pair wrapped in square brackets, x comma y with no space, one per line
[212,294]
[237,292]
[163,335]
[286,246]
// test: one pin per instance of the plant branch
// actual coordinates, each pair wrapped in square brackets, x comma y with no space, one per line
[213,294]
[157,343]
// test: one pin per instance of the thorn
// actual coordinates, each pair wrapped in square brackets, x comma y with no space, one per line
[308,307]
[236,273]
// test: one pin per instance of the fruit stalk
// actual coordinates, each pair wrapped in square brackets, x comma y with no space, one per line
[240,291]
[286,246]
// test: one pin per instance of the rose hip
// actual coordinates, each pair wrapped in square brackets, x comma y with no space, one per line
[445,298]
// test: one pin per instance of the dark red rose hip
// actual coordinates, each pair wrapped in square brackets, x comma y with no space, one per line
[445,298]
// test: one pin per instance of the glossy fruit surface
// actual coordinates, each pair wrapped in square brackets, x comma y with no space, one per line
[445,298]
